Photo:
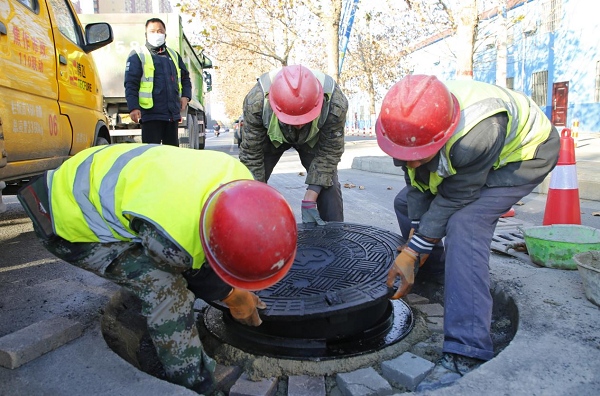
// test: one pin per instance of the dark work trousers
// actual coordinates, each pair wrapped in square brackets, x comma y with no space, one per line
[467,298]
[158,132]
[329,202]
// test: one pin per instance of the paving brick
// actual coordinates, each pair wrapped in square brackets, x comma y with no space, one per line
[226,375]
[363,382]
[244,387]
[406,370]
[306,385]
[33,341]
[430,309]
[430,349]
[415,299]
[435,325]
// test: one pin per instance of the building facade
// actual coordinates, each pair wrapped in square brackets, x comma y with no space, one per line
[552,55]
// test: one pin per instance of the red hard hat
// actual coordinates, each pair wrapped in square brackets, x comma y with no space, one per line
[249,234]
[418,116]
[296,95]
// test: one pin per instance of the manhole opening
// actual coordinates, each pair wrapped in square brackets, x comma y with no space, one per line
[330,314]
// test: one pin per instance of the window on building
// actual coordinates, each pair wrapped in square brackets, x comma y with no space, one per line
[510,83]
[551,15]
[597,94]
[539,88]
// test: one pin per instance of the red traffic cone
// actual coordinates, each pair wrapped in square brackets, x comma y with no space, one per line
[510,213]
[562,204]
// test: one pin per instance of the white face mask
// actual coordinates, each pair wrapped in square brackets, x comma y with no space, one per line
[156,39]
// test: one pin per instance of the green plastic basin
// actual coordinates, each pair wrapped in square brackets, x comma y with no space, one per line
[554,246]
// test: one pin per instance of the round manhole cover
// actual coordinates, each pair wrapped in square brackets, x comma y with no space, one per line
[338,267]
[334,294]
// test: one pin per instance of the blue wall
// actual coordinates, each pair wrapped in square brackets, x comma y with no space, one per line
[570,53]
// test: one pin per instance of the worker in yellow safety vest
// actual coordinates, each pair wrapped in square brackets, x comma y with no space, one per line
[119,212]
[157,86]
[469,151]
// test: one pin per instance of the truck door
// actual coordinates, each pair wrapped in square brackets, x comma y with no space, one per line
[78,92]
[28,86]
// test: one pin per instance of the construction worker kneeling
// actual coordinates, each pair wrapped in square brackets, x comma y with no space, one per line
[118,212]
[469,151]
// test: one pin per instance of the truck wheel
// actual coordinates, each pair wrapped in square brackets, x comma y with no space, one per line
[100,141]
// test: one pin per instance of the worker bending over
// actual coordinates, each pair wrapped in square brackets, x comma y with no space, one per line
[469,151]
[135,215]
[304,109]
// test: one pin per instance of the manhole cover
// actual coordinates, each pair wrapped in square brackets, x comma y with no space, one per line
[334,294]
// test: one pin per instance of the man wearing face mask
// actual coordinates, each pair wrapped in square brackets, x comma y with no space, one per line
[157,87]
[305,109]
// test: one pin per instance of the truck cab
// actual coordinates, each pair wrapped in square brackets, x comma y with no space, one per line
[50,93]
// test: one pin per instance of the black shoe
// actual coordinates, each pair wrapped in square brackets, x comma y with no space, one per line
[448,369]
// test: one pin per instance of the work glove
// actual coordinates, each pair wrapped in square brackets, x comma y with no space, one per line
[242,304]
[310,214]
[408,262]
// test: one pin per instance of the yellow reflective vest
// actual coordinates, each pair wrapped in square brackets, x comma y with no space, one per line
[96,194]
[147,80]
[528,126]
[270,120]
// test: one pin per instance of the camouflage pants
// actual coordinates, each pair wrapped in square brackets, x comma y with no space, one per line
[167,303]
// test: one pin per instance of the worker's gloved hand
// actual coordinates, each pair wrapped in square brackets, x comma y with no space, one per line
[310,214]
[405,266]
[408,262]
[242,304]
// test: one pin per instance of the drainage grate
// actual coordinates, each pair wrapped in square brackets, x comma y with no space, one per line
[506,236]
[333,302]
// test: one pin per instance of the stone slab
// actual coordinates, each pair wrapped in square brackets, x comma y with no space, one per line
[244,387]
[226,375]
[415,299]
[37,339]
[406,370]
[306,385]
[430,310]
[435,325]
[363,382]
[430,349]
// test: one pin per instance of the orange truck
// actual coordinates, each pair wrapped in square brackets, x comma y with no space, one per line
[51,103]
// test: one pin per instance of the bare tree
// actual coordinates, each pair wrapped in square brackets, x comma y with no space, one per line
[329,14]
[465,39]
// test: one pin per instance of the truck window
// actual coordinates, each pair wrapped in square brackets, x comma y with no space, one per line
[66,23]
[31,4]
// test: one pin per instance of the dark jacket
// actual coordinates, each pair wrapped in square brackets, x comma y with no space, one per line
[328,150]
[473,157]
[165,93]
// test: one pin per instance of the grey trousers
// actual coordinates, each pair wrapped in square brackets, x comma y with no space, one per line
[329,202]
[467,298]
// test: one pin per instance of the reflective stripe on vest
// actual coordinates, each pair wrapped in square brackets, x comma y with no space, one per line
[270,120]
[527,126]
[96,193]
[147,80]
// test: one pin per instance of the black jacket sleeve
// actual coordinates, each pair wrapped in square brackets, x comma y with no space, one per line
[133,75]
[206,284]
[186,83]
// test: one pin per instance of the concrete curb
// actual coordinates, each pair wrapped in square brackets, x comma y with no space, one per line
[589,185]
